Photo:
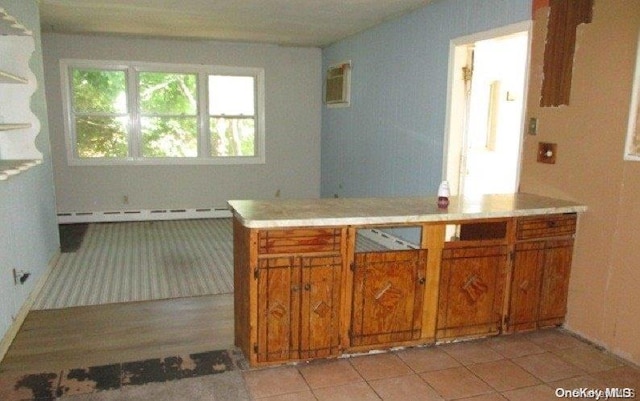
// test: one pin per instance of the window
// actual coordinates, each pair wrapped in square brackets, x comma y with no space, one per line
[231,115]
[141,113]
[100,113]
[168,114]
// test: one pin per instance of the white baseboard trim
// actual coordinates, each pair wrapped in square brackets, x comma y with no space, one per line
[10,335]
[142,215]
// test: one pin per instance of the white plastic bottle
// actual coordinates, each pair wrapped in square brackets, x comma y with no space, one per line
[443,195]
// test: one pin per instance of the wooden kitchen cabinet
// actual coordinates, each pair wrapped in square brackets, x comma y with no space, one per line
[526,286]
[388,292]
[298,300]
[555,283]
[472,282]
[541,269]
[287,292]
[303,289]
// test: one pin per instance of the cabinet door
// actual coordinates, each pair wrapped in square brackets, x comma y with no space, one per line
[388,291]
[278,303]
[472,282]
[555,282]
[320,287]
[298,304]
[525,286]
[540,284]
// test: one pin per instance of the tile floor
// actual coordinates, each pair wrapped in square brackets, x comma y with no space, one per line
[527,367]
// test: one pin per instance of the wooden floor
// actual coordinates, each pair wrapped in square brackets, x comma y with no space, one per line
[50,340]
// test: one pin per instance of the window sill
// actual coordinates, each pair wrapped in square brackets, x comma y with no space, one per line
[177,161]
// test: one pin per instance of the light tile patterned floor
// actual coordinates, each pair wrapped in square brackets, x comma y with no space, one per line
[528,366]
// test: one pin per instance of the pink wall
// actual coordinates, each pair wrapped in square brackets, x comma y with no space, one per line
[604,294]
[537,4]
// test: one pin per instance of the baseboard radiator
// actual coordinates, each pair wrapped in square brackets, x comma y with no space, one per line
[142,215]
[387,240]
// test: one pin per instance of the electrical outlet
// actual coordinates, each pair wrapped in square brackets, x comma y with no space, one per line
[20,276]
[547,152]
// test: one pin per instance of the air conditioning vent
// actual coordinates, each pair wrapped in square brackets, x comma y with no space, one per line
[338,85]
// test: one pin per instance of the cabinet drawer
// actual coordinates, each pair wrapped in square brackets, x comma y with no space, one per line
[546,226]
[302,240]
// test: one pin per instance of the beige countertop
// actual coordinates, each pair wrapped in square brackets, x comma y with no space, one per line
[364,211]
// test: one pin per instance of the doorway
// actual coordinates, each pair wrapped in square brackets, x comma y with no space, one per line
[487,98]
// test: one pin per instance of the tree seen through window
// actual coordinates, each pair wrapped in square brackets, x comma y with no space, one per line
[135,114]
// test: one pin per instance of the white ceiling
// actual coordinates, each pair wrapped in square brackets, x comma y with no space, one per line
[315,23]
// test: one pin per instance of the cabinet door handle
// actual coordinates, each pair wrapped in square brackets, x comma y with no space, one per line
[295,288]
[307,287]
[422,280]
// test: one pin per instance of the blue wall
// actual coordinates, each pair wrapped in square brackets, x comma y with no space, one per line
[389,142]
[28,222]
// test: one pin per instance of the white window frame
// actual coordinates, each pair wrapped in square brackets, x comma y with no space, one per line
[134,157]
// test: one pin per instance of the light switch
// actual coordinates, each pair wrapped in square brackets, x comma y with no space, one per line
[533,126]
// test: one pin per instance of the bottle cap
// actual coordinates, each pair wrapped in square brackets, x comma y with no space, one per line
[443,190]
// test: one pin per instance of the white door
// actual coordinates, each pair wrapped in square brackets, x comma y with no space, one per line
[488,89]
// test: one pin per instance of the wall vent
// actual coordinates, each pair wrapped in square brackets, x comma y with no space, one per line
[337,88]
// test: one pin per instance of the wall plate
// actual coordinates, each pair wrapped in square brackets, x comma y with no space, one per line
[547,152]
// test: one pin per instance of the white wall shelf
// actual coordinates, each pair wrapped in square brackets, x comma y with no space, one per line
[10,168]
[19,127]
[11,127]
[9,25]
[8,78]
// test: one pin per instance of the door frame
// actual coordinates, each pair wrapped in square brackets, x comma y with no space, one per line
[454,135]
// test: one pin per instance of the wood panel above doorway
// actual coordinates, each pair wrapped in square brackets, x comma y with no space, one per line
[564,17]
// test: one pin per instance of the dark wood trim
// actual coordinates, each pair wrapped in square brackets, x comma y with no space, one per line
[559,52]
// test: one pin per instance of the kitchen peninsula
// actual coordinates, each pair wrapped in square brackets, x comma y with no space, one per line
[324,277]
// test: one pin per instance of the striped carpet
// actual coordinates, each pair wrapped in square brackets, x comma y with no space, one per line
[147,260]
[141,261]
